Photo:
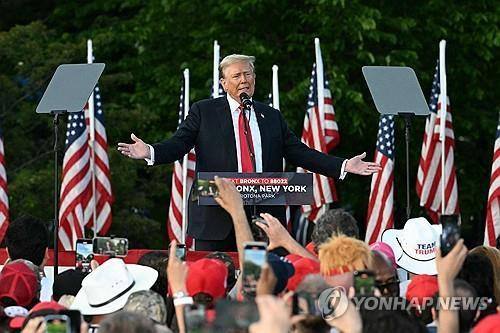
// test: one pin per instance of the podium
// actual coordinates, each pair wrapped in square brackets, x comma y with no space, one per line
[396,91]
[68,91]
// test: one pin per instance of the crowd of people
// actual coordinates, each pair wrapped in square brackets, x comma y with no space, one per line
[337,283]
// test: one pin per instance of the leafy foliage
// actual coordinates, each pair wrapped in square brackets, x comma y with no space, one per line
[146,44]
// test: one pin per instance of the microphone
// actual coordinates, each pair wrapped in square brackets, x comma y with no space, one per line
[246,101]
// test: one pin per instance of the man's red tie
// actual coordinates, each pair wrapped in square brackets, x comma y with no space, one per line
[246,144]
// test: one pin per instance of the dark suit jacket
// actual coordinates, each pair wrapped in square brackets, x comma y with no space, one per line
[209,128]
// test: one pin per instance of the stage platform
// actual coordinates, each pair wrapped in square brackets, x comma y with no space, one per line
[67,258]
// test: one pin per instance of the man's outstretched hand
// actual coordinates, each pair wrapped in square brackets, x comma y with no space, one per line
[137,150]
[358,166]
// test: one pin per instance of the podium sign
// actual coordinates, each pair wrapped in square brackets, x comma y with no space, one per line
[267,188]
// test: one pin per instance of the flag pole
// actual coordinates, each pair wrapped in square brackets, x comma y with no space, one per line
[185,161]
[442,126]
[276,92]
[276,105]
[92,142]
[215,83]
[319,79]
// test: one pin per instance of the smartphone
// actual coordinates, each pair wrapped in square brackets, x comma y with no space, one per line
[195,317]
[450,234]
[305,303]
[116,247]
[83,254]
[58,323]
[364,283]
[75,319]
[204,188]
[234,315]
[254,257]
[180,251]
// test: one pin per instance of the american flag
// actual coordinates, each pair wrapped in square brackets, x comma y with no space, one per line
[175,213]
[320,133]
[492,230]
[77,203]
[102,175]
[429,169]
[4,200]
[76,186]
[221,92]
[380,206]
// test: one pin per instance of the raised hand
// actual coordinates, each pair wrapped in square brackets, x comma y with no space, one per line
[274,316]
[358,166]
[228,198]
[450,265]
[137,150]
[177,271]
[275,231]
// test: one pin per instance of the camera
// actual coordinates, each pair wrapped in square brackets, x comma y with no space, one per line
[58,323]
[450,234]
[83,254]
[115,247]
[204,188]
[180,251]
[254,257]
[364,283]
[233,315]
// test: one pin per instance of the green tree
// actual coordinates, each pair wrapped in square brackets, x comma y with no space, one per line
[146,44]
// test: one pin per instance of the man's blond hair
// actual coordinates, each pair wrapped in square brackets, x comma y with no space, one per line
[235,58]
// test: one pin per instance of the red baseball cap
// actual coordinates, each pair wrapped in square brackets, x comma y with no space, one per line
[44,308]
[489,324]
[207,276]
[19,282]
[303,267]
[422,286]
[293,257]
[311,248]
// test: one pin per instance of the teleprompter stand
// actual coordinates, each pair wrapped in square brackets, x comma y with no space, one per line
[396,91]
[68,91]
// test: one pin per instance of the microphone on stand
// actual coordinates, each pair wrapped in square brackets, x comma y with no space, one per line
[247,105]
[246,101]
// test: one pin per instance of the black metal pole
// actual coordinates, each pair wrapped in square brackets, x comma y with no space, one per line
[56,197]
[407,118]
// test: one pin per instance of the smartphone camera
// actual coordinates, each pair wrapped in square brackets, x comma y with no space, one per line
[364,283]
[115,247]
[235,316]
[450,234]
[57,323]
[254,257]
[84,254]
[75,319]
[305,303]
[180,251]
[195,317]
[204,188]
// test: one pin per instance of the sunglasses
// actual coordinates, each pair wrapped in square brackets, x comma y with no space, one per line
[392,286]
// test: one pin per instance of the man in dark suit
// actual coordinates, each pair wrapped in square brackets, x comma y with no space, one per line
[228,138]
